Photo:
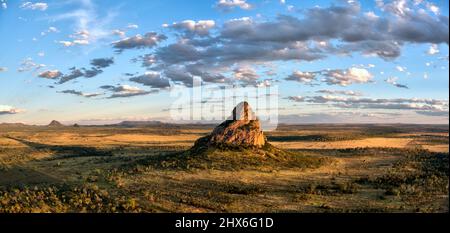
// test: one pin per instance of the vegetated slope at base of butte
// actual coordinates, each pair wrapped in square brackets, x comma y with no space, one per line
[237,143]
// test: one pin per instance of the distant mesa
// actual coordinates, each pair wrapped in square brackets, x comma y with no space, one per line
[55,124]
[76,125]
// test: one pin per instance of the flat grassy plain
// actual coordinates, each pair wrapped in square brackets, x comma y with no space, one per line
[342,168]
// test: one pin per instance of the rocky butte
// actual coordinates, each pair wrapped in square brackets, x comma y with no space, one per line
[241,129]
[237,143]
[55,124]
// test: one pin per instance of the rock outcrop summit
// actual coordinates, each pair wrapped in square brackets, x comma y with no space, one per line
[241,129]
[55,124]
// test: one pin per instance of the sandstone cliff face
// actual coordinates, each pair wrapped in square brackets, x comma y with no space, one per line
[241,129]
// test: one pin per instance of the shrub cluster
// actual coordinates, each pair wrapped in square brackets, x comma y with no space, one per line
[63,198]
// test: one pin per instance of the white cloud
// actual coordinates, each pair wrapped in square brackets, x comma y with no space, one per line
[246,74]
[334,77]
[303,77]
[41,54]
[231,4]
[401,68]
[132,26]
[3,69]
[89,26]
[49,30]
[81,37]
[73,43]
[28,65]
[81,34]
[338,92]
[200,27]
[371,15]
[434,49]
[79,93]
[50,74]
[393,82]
[296,98]
[347,77]
[264,83]
[126,91]
[118,32]
[3,4]
[42,6]
[148,40]
[6,109]
[426,106]
[152,79]
[433,8]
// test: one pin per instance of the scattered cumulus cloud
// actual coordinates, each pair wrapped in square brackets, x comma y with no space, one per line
[339,92]
[434,49]
[247,41]
[347,77]
[400,68]
[73,43]
[6,110]
[132,26]
[393,81]
[227,5]
[92,72]
[246,74]
[50,30]
[416,104]
[41,6]
[302,77]
[74,74]
[79,93]
[201,27]
[290,8]
[102,62]
[3,4]
[149,40]
[98,64]
[89,26]
[119,32]
[50,74]
[123,91]
[29,65]
[296,98]
[433,8]
[152,79]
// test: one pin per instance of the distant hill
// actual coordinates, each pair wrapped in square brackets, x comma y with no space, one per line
[132,124]
[55,124]
[12,124]
[140,123]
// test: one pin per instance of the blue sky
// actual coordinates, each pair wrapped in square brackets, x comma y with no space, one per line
[94,61]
